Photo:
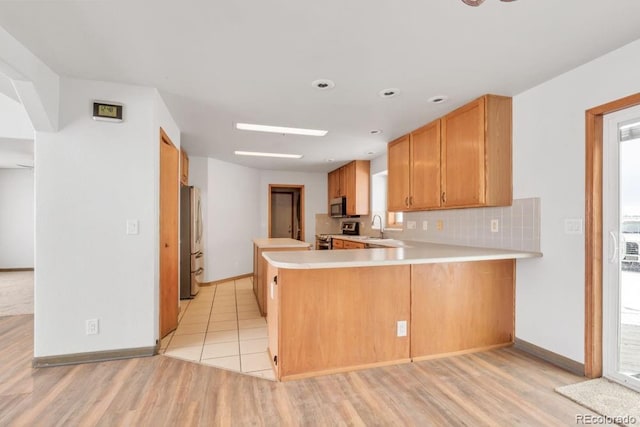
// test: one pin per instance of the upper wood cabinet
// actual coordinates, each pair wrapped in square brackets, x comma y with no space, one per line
[351,181]
[476,154]
[336,183]
[460,160]
[413,181]
[184,167]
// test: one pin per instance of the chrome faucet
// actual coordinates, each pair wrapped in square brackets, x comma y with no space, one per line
[373,222]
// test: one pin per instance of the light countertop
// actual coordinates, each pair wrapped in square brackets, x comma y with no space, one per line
[280,243]
[403,252]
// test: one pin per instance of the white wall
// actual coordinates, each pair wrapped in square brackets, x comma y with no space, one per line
[14,122]
[231,218]
[90,178]
[549,158]
[235,200]
[16,218]
[315,193]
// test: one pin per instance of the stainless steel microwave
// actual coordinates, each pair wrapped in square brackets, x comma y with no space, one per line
[338,207]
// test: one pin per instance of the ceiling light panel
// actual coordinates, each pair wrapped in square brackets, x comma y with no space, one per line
[280,129]
[259,154]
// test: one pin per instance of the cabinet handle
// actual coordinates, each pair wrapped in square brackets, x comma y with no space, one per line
[406,201]
[411,200]
[444,197]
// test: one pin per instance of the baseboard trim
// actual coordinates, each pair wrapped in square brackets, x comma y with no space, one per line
[92,357]
[551,357]
[7,270]
[228,279]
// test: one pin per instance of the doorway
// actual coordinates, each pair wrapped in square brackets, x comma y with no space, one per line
[621,230]
[286,211]
[169,255]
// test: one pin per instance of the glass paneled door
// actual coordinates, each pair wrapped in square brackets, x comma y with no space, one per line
[621,238]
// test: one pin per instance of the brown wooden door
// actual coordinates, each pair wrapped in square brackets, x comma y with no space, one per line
[398,175]
[169,179]
[425,167]
[463,156]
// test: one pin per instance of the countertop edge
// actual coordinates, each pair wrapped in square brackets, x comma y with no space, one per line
[507,254]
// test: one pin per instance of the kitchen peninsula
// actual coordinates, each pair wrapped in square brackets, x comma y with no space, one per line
[260,264]
[335,311]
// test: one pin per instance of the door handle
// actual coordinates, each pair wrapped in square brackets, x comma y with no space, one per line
[613,257]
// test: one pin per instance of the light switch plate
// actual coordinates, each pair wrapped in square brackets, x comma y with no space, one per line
[132,226]
[573,226]
[495,225]
[411,225]
[425,225]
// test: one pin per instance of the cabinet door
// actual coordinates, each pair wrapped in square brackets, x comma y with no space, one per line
[273,316]
[334,184]
[425,167]
[398,174]
[337,244]
[353,245]
[349,186]
[184,167]
[463,156]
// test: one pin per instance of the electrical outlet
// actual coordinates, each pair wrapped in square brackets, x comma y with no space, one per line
[92,327]
[495,225]
[401,328]
[439,225]
[425,225]
[411,225]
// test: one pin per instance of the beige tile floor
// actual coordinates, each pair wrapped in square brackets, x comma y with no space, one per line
[222,327]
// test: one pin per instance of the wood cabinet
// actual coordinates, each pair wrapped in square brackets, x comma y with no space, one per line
[460,160]
[336,183]
[184,167]
[461,307]
[347,244]
[414,170]
[351,181]
[476,154]
[260,279]
[337,319]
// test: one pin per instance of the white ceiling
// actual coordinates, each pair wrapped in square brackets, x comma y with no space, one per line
[221,62]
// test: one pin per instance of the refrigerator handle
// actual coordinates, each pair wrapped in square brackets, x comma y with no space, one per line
[199,254]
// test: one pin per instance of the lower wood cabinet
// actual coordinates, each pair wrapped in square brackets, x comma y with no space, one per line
[461,307]
[260,279]
[323,321]
[346,244]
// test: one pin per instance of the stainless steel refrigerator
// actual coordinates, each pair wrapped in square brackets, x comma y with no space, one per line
[191,256]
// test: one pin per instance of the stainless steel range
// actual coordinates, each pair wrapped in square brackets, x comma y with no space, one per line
[348,228]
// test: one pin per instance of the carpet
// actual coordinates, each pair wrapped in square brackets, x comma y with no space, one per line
[16,293]
[607,398]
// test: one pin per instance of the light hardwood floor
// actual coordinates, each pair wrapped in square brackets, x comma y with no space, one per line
[502,387]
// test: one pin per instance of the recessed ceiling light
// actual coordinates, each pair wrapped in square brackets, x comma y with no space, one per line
[331,160]
[388,93]
[258,154]
[280,129]
[438,99]
[371,152]
[375,132]
[323,84]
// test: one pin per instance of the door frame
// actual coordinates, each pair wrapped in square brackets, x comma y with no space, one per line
[162,310]
[293,187]
[594,119]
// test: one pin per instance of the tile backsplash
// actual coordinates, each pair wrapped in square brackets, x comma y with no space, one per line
[518,226]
